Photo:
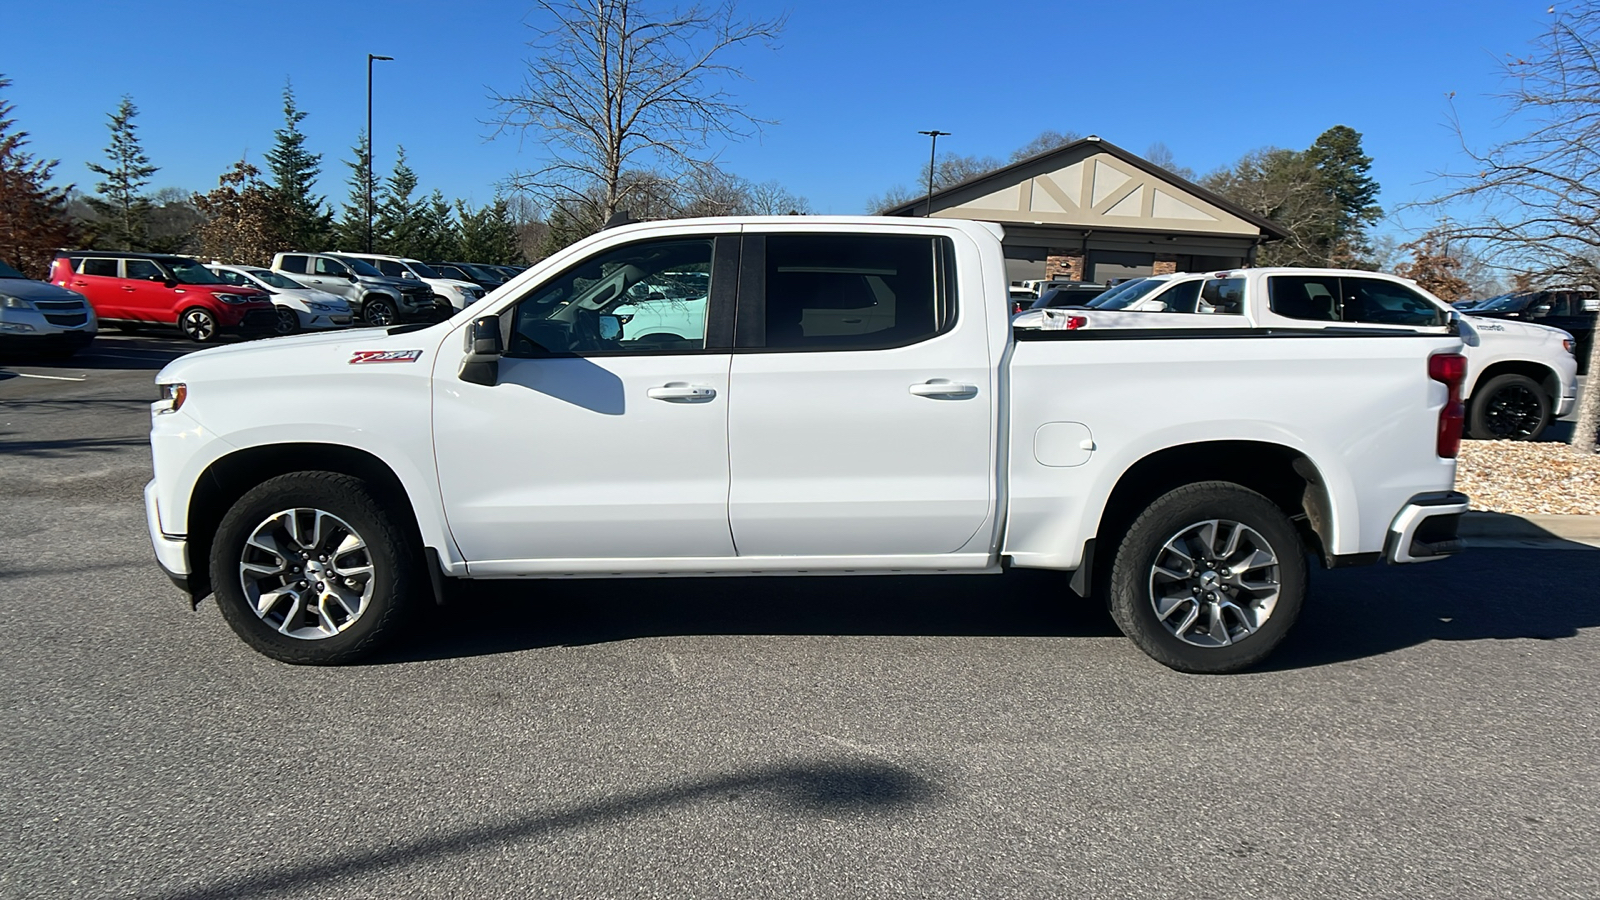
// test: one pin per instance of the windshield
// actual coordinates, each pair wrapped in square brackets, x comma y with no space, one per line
[360,267]
[483,272]
[1503,303]
[1126,295]
[8,272]
[273,279]
[188,271]
[424,270]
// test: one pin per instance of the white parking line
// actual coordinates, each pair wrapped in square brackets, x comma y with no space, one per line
[51,377]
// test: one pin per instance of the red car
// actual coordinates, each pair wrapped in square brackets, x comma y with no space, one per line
[130,290]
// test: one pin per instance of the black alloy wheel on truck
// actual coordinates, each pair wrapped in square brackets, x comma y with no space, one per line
[1509,408]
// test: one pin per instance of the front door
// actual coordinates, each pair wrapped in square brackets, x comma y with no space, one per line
[598,442]
[862,421]
[147,295]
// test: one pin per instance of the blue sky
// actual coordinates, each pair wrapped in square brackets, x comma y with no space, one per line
[849,85]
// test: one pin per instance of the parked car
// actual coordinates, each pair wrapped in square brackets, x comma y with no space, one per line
[483,276]
[299,308]
[40,318]
[1068,293]
[138,290]
[458,294]
[1520,376]
[884,418]
[374,297]
[1572,310]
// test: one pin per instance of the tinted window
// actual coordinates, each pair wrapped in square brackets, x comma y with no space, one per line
[1182,297]
[325,266]
[296,264]
[1386,303]
[390,267]
[233,278]
[142,270]
[188,271]
[106,268]
[1311,297]
[641,298]
[7,272]
[359,266]
[855,292]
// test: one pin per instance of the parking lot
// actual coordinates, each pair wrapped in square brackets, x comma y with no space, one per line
[1425,732]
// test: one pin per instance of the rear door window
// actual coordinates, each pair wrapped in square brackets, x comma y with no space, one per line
[295,264]
[1313,298]
[105,268]
[848,292]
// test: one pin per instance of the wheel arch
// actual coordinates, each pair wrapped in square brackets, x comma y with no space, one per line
[1539,372]
[227,479]
[1284,475]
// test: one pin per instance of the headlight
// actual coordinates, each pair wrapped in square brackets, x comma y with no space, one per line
[173,395]
[323,307]
[10,302]
[230,298]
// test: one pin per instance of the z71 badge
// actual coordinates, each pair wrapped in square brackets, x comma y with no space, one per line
[385,356]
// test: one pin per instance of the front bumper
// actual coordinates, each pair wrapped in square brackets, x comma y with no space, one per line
[172,551]
[1564,408]
[1426,528]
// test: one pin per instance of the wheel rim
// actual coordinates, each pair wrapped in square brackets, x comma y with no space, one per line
[1214,583]
[1513,411]
[306,573]
[197,325]
[287,321]
[379,313]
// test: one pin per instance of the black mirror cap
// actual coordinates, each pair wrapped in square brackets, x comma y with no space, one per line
[485,337]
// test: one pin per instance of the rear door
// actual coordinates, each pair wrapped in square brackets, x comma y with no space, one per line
[99,280]
[863,405]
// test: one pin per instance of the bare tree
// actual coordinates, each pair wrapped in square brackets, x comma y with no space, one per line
[1535,199]
[1046,141]
[616,87]
[1435,265]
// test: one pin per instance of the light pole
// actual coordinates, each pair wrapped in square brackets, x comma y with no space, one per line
[370,58]
[932,152]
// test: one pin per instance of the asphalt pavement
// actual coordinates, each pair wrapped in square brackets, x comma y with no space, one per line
[1426,731]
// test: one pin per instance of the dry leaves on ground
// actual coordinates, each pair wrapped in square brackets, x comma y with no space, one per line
[1523,477]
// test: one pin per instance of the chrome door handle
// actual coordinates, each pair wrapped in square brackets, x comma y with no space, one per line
[678,391]
[939,387]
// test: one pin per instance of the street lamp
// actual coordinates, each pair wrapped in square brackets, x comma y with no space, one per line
[370,58]
[932,151]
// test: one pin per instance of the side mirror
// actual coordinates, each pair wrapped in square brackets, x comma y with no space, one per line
[611,327]
[351,276]
[481,365]
[408,274]
[168,282]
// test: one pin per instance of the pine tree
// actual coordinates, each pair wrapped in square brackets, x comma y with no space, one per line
[488,234]
[350,231]
[122,209]
[33,215]
[401,221]
[441,238]
[1342,167]
[294,173]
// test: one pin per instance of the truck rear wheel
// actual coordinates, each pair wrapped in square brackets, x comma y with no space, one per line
[1208,579]
[310,568]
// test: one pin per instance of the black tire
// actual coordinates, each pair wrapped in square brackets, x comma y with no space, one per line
[286,321]
[129,327]
[198,325]
[396,577]
[1509,408]
[1133,582]
[379,311]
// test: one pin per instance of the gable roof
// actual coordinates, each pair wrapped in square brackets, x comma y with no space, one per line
[1015,174]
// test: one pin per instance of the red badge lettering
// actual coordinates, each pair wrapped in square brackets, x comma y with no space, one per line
[385,356]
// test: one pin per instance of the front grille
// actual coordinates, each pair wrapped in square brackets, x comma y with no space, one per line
[67,321]
[58,304]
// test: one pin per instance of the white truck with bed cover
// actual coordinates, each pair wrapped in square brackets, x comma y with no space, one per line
[851,400]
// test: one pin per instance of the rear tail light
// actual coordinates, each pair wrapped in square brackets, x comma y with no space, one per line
[1449,369]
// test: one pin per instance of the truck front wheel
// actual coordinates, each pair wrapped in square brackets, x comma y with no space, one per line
[310,568]
[1209,578]
[1509,408]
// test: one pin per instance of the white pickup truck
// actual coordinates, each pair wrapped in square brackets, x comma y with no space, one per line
[851,400]
[1520,376]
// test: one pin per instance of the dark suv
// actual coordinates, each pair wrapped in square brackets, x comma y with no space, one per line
[1571,310]
[132,290]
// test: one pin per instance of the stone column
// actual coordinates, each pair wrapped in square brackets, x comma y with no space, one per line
[1066,264]
[1165,264]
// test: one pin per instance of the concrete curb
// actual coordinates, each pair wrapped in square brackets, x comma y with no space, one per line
[1490,529]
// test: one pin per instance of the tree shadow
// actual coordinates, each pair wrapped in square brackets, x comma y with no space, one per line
[67,447]
[118,351]
[816,788]
[1350,613]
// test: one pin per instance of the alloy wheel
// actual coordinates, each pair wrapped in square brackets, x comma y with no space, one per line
[198,325]
[1214,583]
[306,573]
[1513,412]
[287,322]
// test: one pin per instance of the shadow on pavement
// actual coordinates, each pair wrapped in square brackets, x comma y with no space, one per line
[68,446]
[1350,613]
[822,788]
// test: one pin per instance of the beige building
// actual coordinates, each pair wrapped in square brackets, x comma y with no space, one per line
[1092,211]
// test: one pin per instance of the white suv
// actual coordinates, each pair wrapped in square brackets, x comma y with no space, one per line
[460,294]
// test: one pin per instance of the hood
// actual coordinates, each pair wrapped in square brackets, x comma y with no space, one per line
[1489,330]
[269,354]
[28,289]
